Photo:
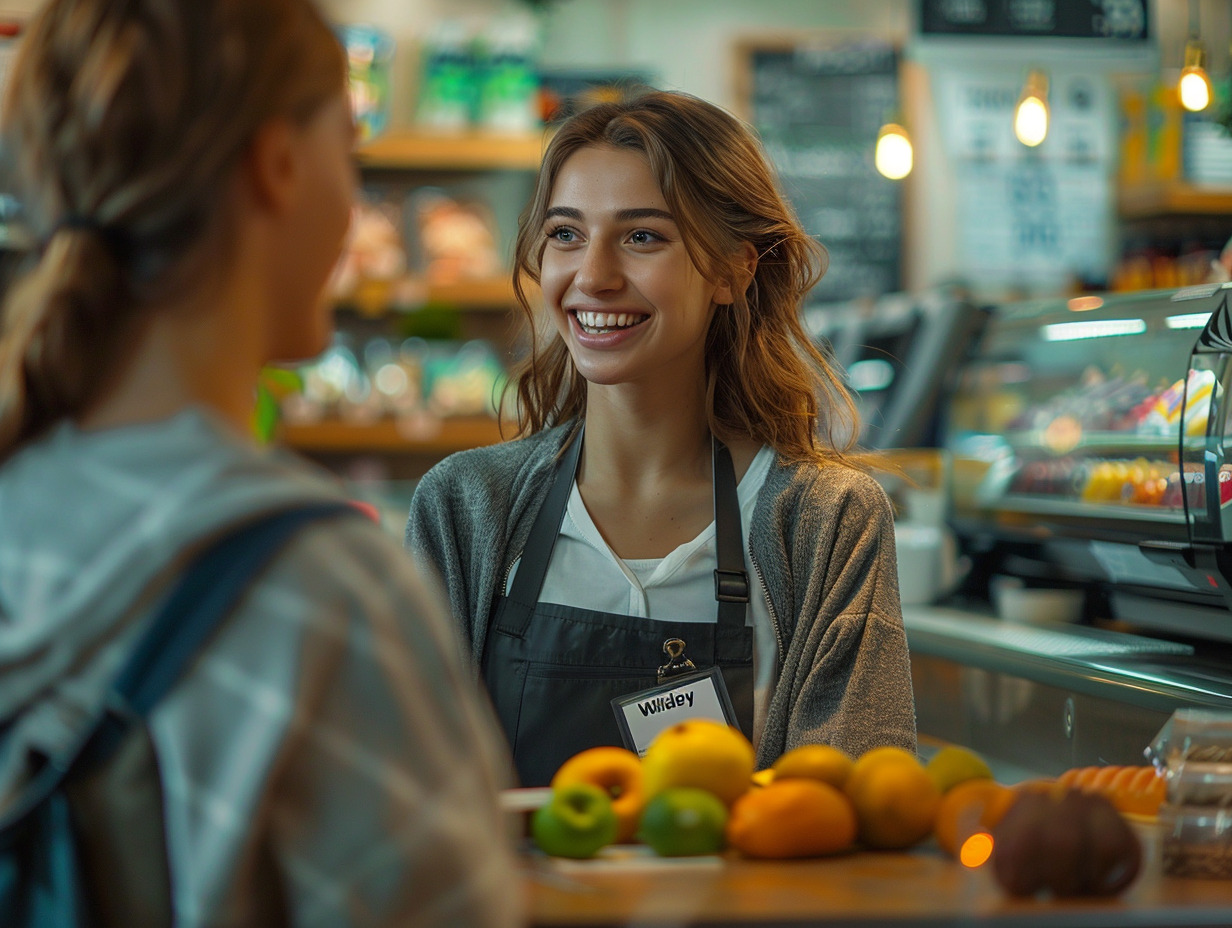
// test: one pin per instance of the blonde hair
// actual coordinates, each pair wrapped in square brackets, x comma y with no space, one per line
[766,380]
[127,119]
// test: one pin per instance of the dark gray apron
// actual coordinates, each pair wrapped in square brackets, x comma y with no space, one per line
[553,670]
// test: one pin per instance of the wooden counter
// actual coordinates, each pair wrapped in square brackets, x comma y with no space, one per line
[919,888]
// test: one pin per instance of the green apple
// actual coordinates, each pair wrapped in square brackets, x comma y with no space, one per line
[577,821]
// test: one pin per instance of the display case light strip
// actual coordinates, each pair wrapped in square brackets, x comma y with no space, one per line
[1187,320]
[1094,328]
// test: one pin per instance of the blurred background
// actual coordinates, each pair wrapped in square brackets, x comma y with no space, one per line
[1026,205]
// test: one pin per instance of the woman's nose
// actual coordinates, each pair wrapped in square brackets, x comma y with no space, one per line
[599,270]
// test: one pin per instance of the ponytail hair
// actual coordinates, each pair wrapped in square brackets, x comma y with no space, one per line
[127,119]
[63,326]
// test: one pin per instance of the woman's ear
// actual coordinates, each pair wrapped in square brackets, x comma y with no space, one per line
[746,261]
[272,166]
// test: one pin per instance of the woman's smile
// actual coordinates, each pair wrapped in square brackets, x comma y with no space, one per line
[595,323]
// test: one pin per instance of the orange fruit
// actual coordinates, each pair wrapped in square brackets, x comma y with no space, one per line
[701,753]
[822,762]
[971,806]
[894,797]
[618,772]
[798,817]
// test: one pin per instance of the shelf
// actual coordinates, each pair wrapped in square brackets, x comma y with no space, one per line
[462,151]
[1174,198]
[380,297]
[1033,505]
[385,436]
[1132,442]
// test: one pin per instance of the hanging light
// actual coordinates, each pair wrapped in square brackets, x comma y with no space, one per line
[1195,87]
[893,156]
[1031,114]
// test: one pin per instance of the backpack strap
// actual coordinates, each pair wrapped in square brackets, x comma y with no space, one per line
[200,599]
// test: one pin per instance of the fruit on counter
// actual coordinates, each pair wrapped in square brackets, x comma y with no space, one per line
[972,806]
[577,821]
[1065,842]
[615,770]
[954,764]
[684,821]
[701,753]
[792,817]
[822,762]
[894,797]
[1133,789]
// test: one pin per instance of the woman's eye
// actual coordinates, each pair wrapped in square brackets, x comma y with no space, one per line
[643,237]
[563,234]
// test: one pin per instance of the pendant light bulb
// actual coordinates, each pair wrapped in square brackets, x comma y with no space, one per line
[1031,114]
[893,156]
[1194,88]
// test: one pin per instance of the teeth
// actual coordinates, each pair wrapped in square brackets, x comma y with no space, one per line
[591,320]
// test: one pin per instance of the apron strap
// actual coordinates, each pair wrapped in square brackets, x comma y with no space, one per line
[731,580]
[543,533]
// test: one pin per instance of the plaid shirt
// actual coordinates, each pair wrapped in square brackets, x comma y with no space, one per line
[327,760]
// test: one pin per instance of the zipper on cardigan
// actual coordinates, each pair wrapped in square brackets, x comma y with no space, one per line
[504,590]
[774,619]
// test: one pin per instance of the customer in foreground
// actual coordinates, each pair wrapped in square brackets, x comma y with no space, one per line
[325,759]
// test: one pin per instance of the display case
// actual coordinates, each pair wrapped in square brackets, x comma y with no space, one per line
[1089,439]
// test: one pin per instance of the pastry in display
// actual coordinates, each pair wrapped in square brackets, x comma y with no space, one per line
[1099,403]
[1164,417]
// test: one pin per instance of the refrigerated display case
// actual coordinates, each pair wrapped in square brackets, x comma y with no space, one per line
[1092,448]
[1088,442]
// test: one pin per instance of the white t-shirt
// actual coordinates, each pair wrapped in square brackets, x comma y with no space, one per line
[585,573]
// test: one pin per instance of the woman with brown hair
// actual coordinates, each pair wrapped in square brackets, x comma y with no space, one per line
[325,759]
[685,470]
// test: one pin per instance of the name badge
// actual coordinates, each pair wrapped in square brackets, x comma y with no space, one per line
[642,715]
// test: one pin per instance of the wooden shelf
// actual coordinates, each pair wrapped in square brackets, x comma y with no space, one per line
[462,151]
[385,436]
[380,297]
[1174,198]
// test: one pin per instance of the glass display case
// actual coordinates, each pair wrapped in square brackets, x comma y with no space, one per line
[1088,445]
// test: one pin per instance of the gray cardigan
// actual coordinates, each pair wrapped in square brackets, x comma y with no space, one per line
[821,540]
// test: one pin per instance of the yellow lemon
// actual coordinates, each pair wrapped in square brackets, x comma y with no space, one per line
[954,764]
[702,753]
[822,762]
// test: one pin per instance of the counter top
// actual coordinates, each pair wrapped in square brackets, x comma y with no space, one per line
[1147,672]
[919,888]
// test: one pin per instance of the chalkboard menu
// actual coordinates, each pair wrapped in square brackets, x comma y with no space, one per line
[818,110]
[1083,19]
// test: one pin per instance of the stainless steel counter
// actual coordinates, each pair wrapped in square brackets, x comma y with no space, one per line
[1041,700]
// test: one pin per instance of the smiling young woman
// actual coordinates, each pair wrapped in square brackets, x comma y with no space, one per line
[671,390]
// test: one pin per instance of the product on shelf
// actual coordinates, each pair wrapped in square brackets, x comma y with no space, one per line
[410,380]
[369,54]
[373,254]
[1136,482]
[1097,403]
[1164,417]
[456,241]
